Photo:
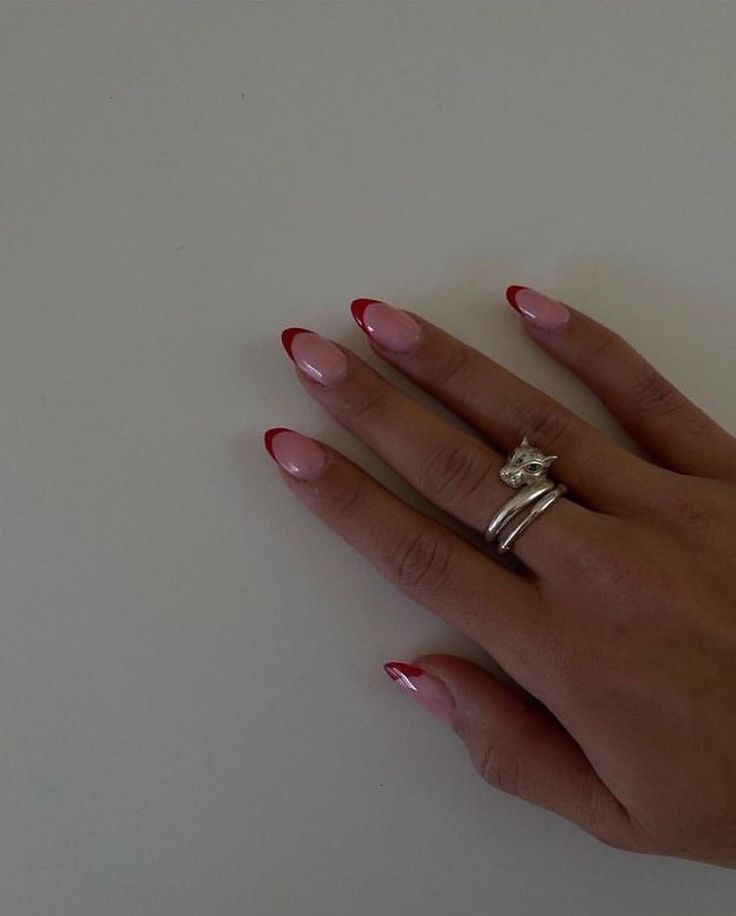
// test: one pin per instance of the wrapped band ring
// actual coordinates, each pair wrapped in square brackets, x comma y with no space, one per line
[526,471]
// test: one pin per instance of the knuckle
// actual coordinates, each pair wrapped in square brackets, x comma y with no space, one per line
[546,425]
[499,766]
[455,369]
[593,813]
[612,554]
[687,504]
[697,508]
[652,395]
[610,838]
[455,469]
[344,504]
[421,563]
[613,826]
[368,402]
[605,346]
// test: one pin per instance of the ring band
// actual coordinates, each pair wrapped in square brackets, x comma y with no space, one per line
[520,501]
[526,471]
[506,542]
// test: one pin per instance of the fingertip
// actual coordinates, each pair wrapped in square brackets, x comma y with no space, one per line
[511,294]
[538,309]
[357,309]
[429,691]
[396,670]
[301,457]
[270,434]
[287,338]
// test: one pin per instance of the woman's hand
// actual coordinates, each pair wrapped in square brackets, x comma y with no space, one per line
[621,622]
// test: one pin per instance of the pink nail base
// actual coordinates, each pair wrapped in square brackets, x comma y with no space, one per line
[315,356]
[298,455]
[428,690]
[538,309]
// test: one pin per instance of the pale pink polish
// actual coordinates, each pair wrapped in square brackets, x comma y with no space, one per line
[301,457]
[426,689]
[389,327]
[318,358]
[537,308]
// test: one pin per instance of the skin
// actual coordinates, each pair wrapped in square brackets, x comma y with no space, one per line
[620,619]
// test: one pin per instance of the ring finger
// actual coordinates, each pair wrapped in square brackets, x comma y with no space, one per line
[451,468]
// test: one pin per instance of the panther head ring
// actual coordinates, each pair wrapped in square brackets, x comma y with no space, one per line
[526,471]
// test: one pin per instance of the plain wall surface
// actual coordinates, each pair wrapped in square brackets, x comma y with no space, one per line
[193,716]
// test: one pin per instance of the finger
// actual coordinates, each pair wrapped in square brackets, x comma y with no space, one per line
[649,407]
[500,405]
[424,559]
[448,466]
[514,744]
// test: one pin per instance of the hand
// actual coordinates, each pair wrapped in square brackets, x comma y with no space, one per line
[620,620]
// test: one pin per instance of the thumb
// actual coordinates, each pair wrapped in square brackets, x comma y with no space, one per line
[515,745]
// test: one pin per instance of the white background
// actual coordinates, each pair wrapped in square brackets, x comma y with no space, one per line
[193,716]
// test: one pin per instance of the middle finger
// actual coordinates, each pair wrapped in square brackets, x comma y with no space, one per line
[502,406]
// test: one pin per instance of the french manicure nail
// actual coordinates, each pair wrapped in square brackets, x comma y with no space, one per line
[301,457]
[388,326]
[425,688]
[539,309]
[318,358]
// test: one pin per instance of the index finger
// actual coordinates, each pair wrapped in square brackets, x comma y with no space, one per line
[498,608]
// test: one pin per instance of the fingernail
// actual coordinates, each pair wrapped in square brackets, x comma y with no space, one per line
[303,458]
[540,310]
[388,326]
[425,688]
[316,357]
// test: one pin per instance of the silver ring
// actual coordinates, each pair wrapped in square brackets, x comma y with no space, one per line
[504,543]
[526,471]
[513,506]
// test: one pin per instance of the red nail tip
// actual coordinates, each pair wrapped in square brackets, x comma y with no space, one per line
[395,669]
[358,307]
[288,335]
[269,435]
[511,294]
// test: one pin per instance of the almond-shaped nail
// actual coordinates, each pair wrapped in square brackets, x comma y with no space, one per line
[537,308]
[316,357]
[389,327]
[426,689]
[300,456]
